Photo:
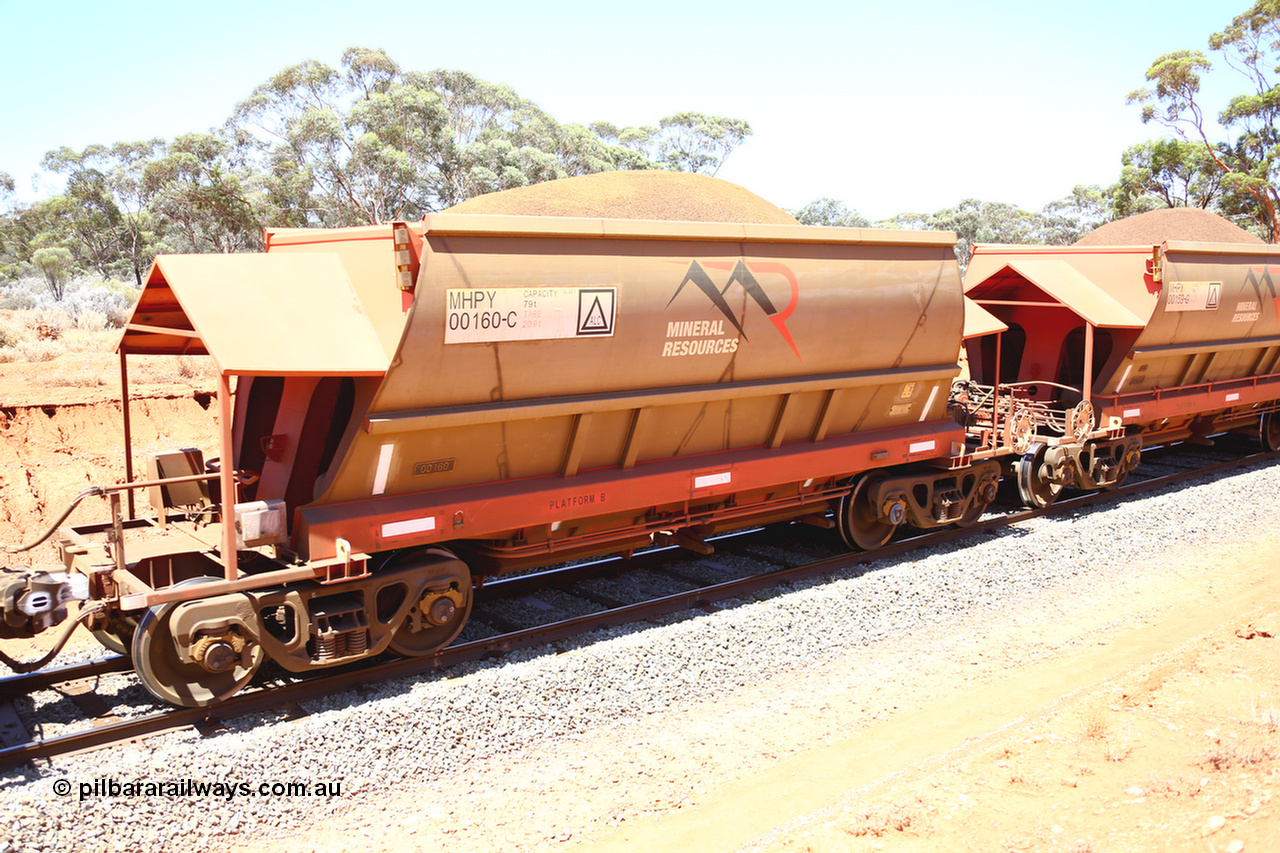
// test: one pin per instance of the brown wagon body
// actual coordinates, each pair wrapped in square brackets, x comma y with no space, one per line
[627,377]
[403,406]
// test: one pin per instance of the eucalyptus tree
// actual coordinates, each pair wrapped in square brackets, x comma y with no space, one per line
[339,146]
[209,200]
[976,221]
[8,227]
[1250,158]
[831,212]
[684,142]
[106,205]
[695,142]
[369,142]
[1167,173]
[1065,220]
[56,264]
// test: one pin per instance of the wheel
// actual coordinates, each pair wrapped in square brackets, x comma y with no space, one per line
[187,685]
[1034,485]
[1117,483]
[985,496]
[974,514]
[1126,464]
[1269,431]
[118,635]
[860,528]
[441,610]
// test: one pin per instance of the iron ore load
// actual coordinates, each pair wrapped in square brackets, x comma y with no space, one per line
[408,408]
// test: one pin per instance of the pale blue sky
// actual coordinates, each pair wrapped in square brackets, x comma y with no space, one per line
[890,107]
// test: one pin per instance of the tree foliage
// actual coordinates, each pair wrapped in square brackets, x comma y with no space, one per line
[102,214]
[208,200]
[369,142]
[1060,223]
[55,264]
[313,145]
[9,249]
[683,142]
[1167,173]
[1249,158]
[829,211]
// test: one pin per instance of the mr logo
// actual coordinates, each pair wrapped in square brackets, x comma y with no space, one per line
[1252,279]
[741,273]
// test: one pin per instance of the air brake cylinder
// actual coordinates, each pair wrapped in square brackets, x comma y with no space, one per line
[34,601]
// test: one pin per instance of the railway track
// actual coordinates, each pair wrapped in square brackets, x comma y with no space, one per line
[528,611]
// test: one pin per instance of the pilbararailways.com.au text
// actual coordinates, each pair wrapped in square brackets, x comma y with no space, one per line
[193,788]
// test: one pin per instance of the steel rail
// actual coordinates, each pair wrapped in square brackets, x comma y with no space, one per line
[356,675]
[12,686]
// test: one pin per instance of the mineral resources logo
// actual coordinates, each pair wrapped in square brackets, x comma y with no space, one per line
[1258,281]
[709,337]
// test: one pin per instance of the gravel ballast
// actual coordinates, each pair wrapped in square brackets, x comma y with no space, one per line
[409,735]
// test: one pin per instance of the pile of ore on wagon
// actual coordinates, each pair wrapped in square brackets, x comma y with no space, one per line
[1190,224]
[677,196]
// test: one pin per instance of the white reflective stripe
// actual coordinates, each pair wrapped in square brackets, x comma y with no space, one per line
[384,468]
[1124,378]
[929,403]
[1132,413]
[1231,398]
[921,446]
[412,525]
[707,480]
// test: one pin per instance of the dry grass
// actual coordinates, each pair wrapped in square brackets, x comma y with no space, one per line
[1095,726]
[1117,751]
[1170,786]
[84,378]
[1268,716]
[196,368]
[1226,756]
[31,351]
[39,336]
[877,821]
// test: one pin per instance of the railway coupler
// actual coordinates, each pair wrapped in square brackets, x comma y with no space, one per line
[32,602]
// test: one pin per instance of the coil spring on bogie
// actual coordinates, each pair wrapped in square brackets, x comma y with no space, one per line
[333,644]
[947,505]
[329,646]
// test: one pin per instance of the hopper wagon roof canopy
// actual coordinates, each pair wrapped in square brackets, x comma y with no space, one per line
[1057,283]
[266,315]
[979,322]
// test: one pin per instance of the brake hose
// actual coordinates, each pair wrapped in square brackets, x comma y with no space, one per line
[31,666]
[87,492]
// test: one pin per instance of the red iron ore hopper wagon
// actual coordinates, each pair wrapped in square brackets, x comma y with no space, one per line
[1108,348]
[406,407]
